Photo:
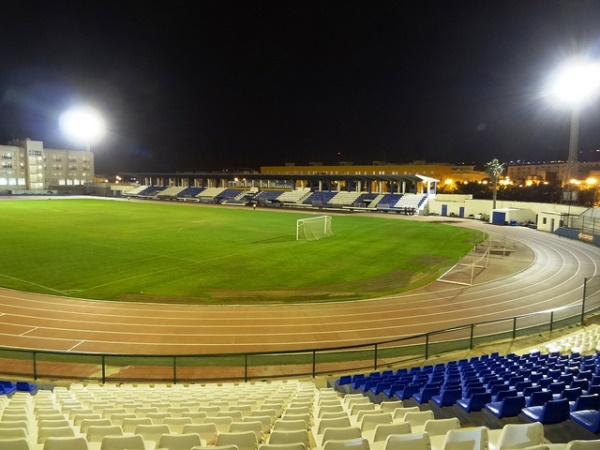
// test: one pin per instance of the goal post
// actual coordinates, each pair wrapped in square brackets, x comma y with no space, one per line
[313,228]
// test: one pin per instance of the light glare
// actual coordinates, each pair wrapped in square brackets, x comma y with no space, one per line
[575,83]
[83,124]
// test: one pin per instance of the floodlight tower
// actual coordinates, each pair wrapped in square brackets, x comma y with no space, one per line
[575,84]
[83,124]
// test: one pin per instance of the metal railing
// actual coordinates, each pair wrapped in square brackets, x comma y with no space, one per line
[53,365]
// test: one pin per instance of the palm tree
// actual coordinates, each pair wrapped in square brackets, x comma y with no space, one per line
[494,169]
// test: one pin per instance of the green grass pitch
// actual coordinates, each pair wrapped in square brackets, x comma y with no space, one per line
[148,251]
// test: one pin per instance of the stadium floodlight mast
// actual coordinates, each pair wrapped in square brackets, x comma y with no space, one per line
[83,124]
[575,84]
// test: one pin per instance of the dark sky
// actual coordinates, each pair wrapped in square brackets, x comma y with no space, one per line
[207,84]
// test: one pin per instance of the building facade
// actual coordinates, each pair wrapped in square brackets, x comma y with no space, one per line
[551,172]
[27,167]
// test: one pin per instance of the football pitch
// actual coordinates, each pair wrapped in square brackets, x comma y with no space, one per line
[191,253]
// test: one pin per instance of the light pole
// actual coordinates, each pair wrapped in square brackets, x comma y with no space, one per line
[575,83]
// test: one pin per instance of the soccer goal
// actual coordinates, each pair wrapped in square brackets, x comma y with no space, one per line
[313,228]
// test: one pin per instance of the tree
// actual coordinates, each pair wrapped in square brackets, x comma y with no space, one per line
[494,169]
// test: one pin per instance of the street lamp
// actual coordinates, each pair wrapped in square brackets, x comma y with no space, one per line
[83,124]
[575,83]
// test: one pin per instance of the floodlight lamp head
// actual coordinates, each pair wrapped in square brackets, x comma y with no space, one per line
[576,83]
[84,124]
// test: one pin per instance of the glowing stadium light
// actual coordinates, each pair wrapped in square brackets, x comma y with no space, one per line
[576,82]
[84,124]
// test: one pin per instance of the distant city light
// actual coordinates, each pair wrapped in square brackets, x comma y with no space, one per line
[84,124]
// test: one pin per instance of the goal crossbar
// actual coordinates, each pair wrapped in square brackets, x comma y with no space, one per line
[313,228]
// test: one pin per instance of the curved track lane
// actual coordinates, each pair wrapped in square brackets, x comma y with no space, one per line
[555,278]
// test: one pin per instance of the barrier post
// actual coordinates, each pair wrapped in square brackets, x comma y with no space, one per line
[34,356]
[174,369]
[375,358]
[471,338]
[103,370]
[246,367]
[514,328]
[314,364]
[583,300]
[551,321]
[427,346]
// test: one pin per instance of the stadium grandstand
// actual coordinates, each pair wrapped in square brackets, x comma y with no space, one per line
[406,194]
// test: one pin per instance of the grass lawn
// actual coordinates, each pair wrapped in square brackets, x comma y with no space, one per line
[139,250]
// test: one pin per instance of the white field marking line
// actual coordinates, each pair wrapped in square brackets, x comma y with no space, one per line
[336,317]
[377,326]
[33,284]
[499,300]
[75,346]
[29,331]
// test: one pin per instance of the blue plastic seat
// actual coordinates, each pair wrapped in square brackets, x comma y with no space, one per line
[571,394]
[24,386]
[408,391]
[586,402]
[344,379]
[503,394]
[447,397]
[509,407]
[539,398]
[554,411]
[426,393]
[588,419]
[476,403]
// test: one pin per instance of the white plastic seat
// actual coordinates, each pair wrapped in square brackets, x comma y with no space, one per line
[354,444]
[476,438]
[15,444]
[280,437]
[130,424]
[439,427]
[196,416]
[370,421]
[111,442]
[290,446]
[87,423]
[391,405]
[411,441]
[158,417]
[331,423]
[206,431]
[46,432]
[255,426]
[222,423]
[245,440]
[179,441]
[417,420]
[96,433]
[338,434]
[152,433]
[518,436]
[12,433]
[65,443]
[289,425]
[379,435]
[583,445]
[59,423]
[399,413]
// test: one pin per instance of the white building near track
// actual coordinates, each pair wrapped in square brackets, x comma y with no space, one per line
[27,167]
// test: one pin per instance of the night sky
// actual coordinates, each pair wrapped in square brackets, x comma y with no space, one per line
[207,84]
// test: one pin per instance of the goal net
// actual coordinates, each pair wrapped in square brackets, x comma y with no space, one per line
[313,228]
